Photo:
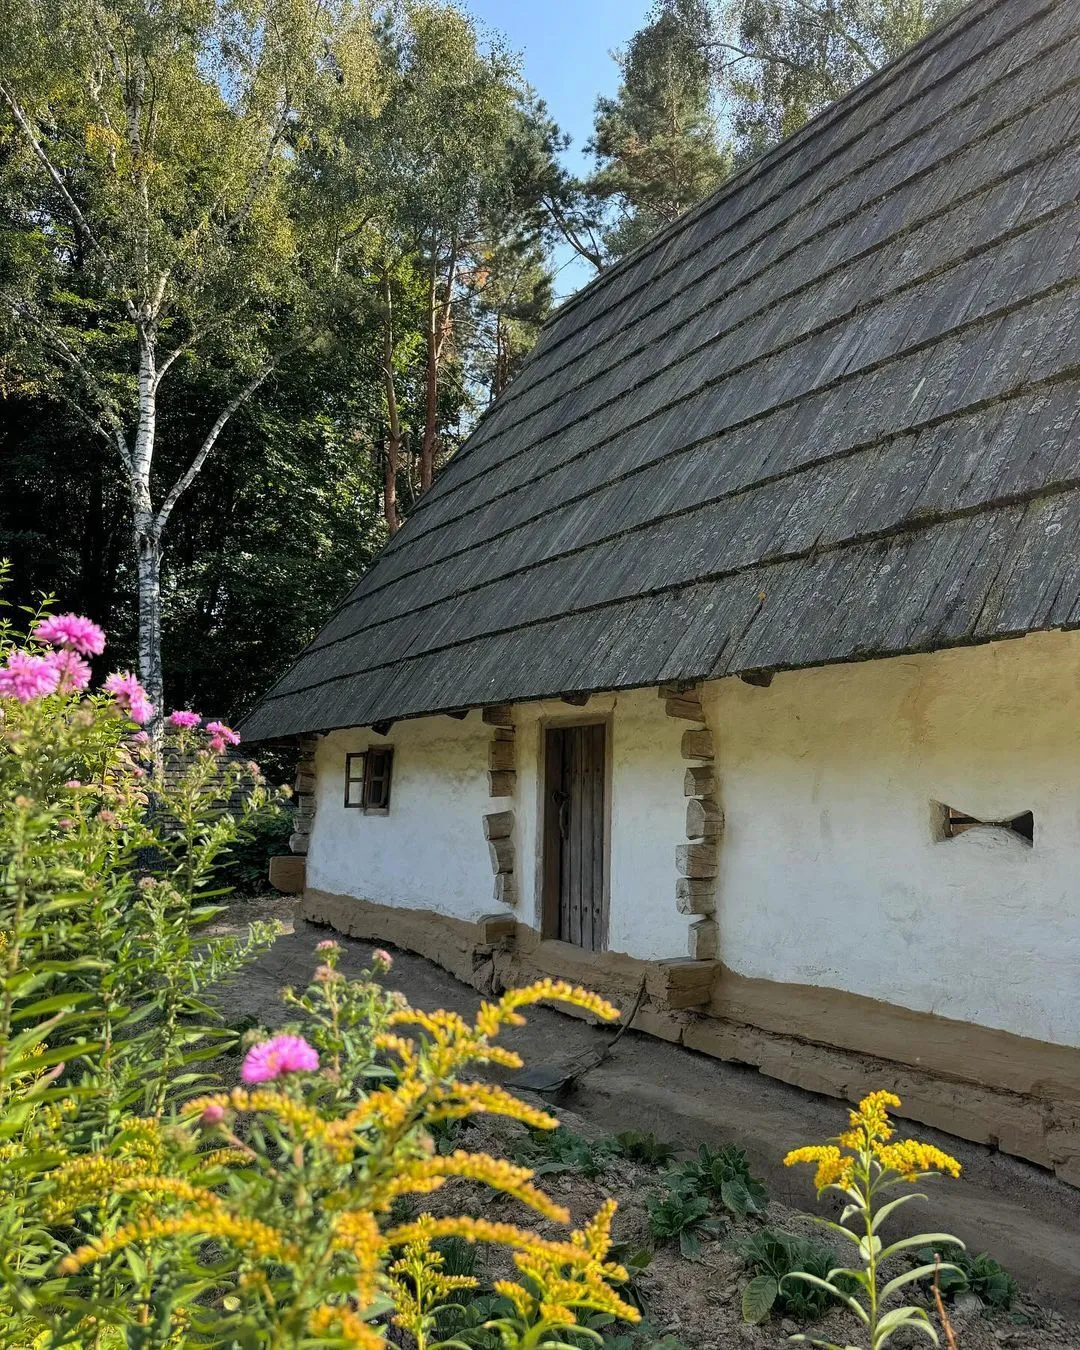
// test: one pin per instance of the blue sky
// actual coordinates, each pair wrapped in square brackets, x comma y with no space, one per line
[566,48]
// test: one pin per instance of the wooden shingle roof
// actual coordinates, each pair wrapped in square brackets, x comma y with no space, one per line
[828,415]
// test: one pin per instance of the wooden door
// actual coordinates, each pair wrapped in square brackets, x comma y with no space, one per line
[575,864]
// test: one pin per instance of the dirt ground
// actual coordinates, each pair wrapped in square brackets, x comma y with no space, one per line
[1024,1217]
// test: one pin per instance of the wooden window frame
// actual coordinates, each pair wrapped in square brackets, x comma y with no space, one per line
[373,798]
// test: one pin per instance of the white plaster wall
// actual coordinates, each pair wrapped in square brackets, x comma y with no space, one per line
[830,871]
[648,816]
[429,850]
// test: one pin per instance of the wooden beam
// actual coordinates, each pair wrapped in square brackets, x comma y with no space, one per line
[496,928]
[505,892]
[704,941]
[700,781]
[687,708]
[501,783]
[501,853]
[697,744]
[676,688]
[304,781]
[502,755]
[499,715]
[695,895]
[499,825]
[696,860]
[704,819]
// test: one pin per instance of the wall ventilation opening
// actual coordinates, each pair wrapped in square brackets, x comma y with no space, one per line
[952,823]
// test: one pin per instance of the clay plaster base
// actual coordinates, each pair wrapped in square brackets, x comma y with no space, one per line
[1016,1094]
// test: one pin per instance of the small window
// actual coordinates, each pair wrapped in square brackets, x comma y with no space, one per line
[367,778]
[954,823]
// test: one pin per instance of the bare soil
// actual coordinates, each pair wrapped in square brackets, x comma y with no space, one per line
[1025,1218]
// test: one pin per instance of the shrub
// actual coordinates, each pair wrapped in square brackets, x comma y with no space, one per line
[725,1177]
[680,1215]
[980,1275]
[134,1213]
[773,1255]
[562,1150]
[643,1148]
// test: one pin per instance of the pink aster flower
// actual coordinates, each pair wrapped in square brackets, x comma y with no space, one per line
[213,1114]
[141,738]
[183,718]
[281,1054]
[220,732]
[72,671]
[381,960]
[27,677]
[130,694]
[71,631]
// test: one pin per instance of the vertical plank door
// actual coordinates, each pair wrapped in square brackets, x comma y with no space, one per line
[574,860]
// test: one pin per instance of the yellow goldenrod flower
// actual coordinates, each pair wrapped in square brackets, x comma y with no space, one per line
[428,1173]
[911,1159]
[258,1238]
[833,1168]
[329,1318]
[872,1115]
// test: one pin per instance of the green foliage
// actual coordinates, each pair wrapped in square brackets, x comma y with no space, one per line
[268,1215]
[773,1255]
[681,1215]
[645,1148]
[655,143]
[785,63]
[245,867]
[978,1274]
[104,964]
[561,1150]
[725,1177]
[635,1261]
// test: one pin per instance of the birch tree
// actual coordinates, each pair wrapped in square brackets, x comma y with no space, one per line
[151,151]
[783,61]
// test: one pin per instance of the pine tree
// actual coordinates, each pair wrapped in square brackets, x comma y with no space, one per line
[656,144]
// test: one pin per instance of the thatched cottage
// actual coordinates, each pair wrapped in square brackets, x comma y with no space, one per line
[737,651]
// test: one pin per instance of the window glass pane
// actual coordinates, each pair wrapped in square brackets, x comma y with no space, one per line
[354,779]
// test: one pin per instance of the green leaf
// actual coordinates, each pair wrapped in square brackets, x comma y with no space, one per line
[55,1003]
[885,1210]
[758,1298]
[689,1244]
[920,1240]
[909,1277]
[855,1306]
[735,1197]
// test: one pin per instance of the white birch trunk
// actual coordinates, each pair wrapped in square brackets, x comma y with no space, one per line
[147,531]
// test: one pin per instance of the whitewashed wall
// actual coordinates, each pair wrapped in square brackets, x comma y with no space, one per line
[648,817]
[429,850]
[831,874]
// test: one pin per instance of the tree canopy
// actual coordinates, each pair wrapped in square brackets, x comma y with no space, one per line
[264,262]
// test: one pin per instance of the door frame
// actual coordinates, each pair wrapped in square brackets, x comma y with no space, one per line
[547,915]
